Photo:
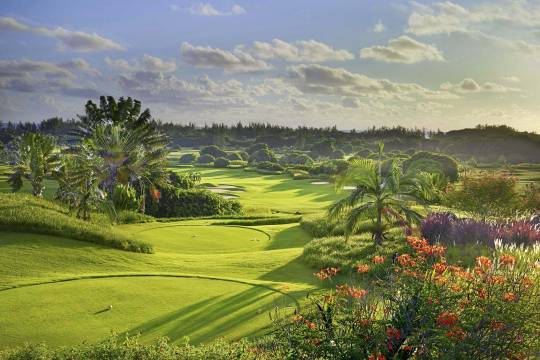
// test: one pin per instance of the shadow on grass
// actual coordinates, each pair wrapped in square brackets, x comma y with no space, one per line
[212,317]
[293,237]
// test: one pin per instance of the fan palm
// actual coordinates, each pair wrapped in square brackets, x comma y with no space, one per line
[36,160]
[384,198]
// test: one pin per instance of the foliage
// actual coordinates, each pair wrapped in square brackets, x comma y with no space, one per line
[432,163]
[36,160]
[186,181]
[323,148]
[531,197]
[428,309]
[206,159]
[449,229]
[192,203]
[213,150]
[22,213]
[124,197]
[263,155]
[130,348]
[488,195]
[234,156]
[296,158]
[189,158]
[272,166]
[385,198]
[331,167]
[256,147]
[221,162]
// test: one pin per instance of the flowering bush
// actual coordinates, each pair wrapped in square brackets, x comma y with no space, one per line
[447,228]
[427,309]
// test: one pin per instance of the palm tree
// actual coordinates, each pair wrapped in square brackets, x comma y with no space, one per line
[384,197]
[36,160]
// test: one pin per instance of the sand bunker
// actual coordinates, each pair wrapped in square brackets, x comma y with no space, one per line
[320,183]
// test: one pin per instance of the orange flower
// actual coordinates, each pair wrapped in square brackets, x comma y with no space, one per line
[496,279]
[355,293]
[404,259]
[393,333]
[379,356]
[447,319]
[439,267]
[483,262]
[526,282]
[455,288]
[155,193]
[327,273]
[509,297]
[496,325]
[378,259]
[362,268]
[507,260]
[456,334]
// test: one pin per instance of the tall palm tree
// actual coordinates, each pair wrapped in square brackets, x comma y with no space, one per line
[36,160]
[383,197]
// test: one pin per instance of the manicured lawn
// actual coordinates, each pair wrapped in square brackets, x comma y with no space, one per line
[240,275]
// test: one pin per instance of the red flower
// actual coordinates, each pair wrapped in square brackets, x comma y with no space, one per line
[378,259]
[447,319]
[509,297]
[483,262]
[482,293]
[439,267]
[457,334]
[496,325]
[379,356]
[355,293]
[404,259]
[393,333]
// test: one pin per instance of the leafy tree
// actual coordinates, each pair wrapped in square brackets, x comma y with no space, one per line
[263,155]
[36,160]
[384,199]
[221,162]
[213,150]
[188,158]
[206,159]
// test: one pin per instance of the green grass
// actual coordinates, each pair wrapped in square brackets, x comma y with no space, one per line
[221,282]
[26,213]
[280,193]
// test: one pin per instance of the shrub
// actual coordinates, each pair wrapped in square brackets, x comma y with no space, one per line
[124,197]
[24,213]
[337,154]
[531,197]
[206,159]
[186,181]
[272,166]
[256,147]
[237,163]
[263,155]
[332,167]
[221,162]
[427,309]
[432,162]
[323,148]
[448,229]
[188,158]
[132,217]
[485,195]
[234,156]
[192,203]
[319,226]
[213,150]
[296,158]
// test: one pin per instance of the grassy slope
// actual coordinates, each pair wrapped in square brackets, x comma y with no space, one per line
[174,307]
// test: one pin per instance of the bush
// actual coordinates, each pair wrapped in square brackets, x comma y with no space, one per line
[427,309]
[296,158]
[132,217]
[256,147]
[192,203]
[272,166]
[337,154]
[213,150]
[188,158]
[25,213]
[237,163]
[487,195]
[206,159]
[319,226]
[221,162]
[432,162]
[448,229]
[234,156]
[186,181]
[263,155]
[332,167]
[124,197]
[323,148]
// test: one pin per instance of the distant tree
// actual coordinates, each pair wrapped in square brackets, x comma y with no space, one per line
[213,150]
[263,155]
[256,147]
[36,160]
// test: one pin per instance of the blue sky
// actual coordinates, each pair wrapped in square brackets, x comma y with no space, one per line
[354,64]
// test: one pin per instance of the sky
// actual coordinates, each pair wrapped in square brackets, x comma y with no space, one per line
[350,63]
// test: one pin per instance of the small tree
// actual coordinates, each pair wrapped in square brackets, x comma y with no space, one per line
[385,199]
[36,160]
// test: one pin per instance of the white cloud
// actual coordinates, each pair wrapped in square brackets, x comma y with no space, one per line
[512,79]
[69,39]
[147,63]
[318,79]
[470,85]
[175,7]
[403,50]
[379,27]
[299,51]
[206,9]
[208,57]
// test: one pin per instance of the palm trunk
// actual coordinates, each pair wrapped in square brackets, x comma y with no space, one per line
[378,227]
